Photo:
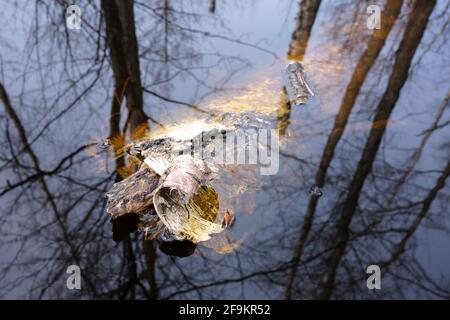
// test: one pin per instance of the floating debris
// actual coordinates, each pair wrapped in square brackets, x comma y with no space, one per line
[315,191]
[104,144]
[297,88]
